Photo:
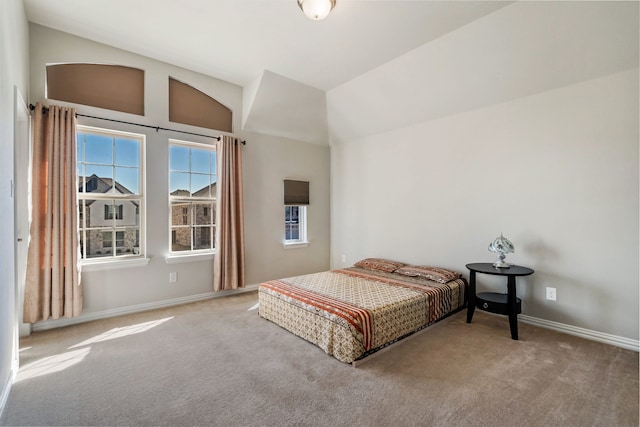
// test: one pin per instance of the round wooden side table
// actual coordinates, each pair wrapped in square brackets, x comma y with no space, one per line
[508,304]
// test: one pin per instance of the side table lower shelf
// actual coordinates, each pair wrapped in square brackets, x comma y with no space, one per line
[496,303]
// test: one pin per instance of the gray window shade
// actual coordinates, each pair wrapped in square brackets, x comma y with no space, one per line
[296,192]
[189,106]
[114,87]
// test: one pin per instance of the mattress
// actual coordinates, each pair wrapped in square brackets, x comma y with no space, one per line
[353,312]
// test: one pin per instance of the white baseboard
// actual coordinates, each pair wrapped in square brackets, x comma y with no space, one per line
[96,315]
[583,333]
[615,340]
[6,388]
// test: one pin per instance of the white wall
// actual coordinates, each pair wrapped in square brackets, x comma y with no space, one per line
[555,170]
[13,76]
[267,161]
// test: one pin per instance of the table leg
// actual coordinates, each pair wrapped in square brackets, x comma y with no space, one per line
[471,301]
[513,310]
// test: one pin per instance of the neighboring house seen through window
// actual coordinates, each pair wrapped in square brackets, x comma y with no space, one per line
[111,201]
[192,196]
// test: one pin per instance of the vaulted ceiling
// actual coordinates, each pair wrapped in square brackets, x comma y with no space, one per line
[236,40]
[269,47]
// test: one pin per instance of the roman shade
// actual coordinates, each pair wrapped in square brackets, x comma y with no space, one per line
[189,106]
[114,87]
[296,192]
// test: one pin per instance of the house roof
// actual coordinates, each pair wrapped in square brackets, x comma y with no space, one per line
[104,185]
[203,192]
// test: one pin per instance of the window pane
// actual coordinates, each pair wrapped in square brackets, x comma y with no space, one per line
[200,185]
[82,254]
[203,213]
[101,182]
[127,152]
[178,158]
[94,245]
[93,213]
[98,149]
[202,238]
[214,163]
[106,248]
[292,232]
[127,242]
[179,184]
[80,148]
[119,240]
[180,213]
[80,174]
[128,178]
[200,161]
[127,213]
[121,243]
[291,222]
[181,239]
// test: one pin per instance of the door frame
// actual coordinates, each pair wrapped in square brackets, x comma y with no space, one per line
[22,154]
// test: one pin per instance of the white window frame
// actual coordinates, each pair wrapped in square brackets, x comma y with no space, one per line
[192,254]
[301,241]
[123,259]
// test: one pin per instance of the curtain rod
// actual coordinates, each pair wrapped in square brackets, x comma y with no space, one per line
[157,128]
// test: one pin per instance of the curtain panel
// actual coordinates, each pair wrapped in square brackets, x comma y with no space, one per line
[228,264]
[52,287]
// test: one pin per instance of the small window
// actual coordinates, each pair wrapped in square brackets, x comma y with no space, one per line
[295,224]
[192,197]
[296,199]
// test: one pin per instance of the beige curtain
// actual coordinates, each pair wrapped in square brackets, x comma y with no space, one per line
[52,287]
[228,264]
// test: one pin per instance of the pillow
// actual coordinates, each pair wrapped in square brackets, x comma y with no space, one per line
[436,274]
[379,264]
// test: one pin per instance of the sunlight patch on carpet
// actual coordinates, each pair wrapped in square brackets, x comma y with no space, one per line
[254,307]
[52,364]
[122,332]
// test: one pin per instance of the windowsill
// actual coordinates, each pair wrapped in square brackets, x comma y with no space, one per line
[296,245]
[177,259]
[115,264]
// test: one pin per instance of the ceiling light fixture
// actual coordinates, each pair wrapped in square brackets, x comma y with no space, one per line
[316,9]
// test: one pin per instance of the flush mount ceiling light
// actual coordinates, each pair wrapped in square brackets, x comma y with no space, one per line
[316,9]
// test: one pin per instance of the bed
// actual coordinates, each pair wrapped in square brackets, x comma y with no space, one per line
[354,312]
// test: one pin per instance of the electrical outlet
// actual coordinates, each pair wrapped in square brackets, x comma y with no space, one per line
[551,294]
[173,277]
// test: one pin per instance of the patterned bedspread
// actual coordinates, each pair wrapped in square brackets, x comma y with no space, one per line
[353,312]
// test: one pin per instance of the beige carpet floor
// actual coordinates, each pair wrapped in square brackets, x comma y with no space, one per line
[217,363]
